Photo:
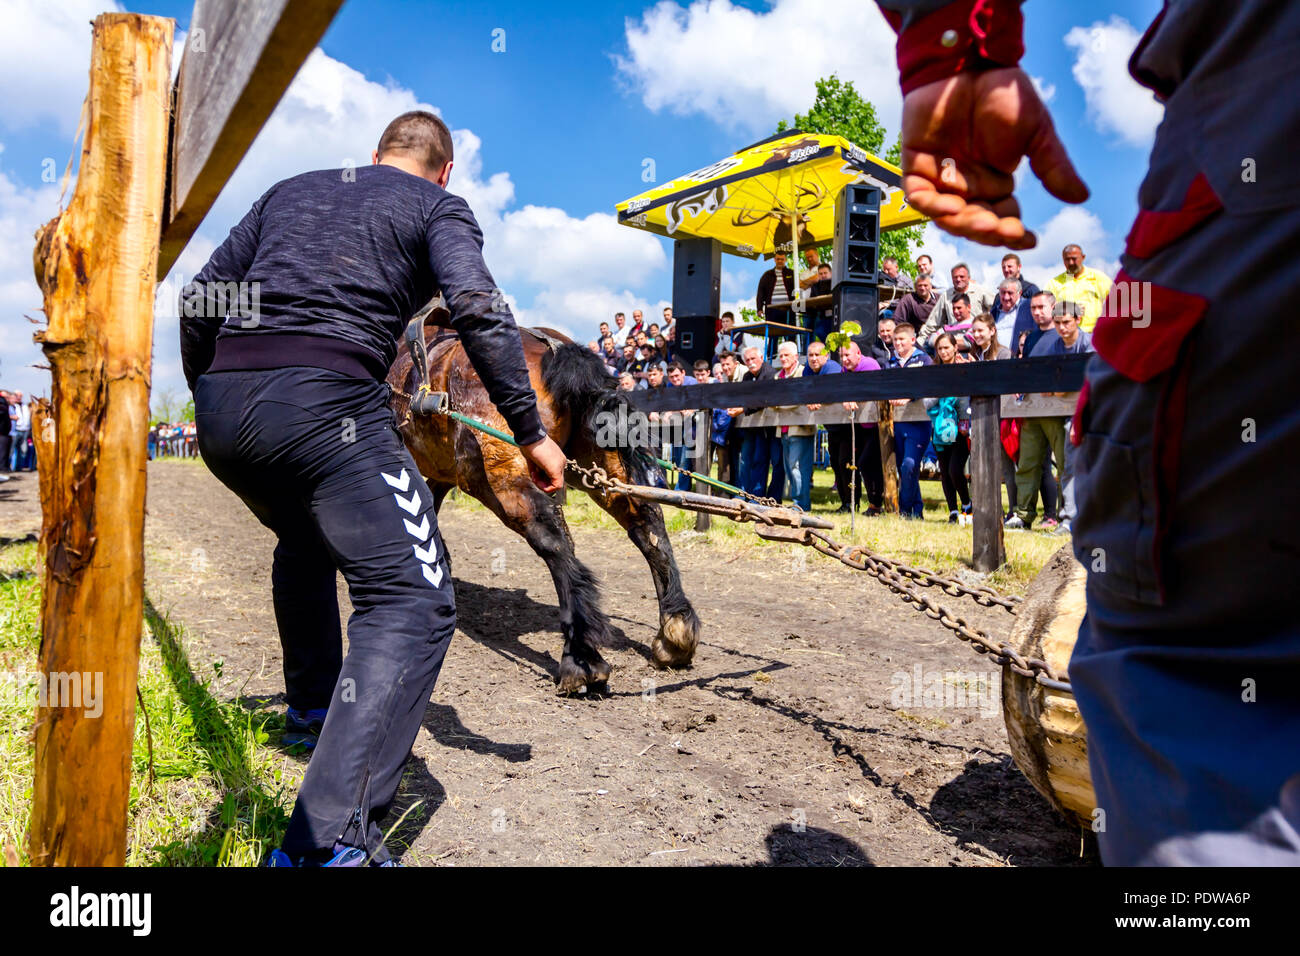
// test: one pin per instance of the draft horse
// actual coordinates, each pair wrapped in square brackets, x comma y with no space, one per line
[573,390]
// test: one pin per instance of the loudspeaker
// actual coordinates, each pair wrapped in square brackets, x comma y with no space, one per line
[696,338]
[697,277]
[857,235]
[856,302]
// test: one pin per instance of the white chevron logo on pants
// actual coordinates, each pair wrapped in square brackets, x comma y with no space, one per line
[427,556]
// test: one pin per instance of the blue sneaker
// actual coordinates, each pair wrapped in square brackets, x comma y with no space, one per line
[343,856]
[302,727]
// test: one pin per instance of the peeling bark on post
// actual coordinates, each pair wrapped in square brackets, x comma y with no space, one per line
[95,263]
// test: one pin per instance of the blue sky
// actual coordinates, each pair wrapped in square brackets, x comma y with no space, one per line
[555,130]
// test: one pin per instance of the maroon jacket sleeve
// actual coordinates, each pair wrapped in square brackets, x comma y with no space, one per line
[941,38]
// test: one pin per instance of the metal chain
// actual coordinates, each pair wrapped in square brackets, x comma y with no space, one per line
[982,595]
[593,477]
[887,573]
[893,574]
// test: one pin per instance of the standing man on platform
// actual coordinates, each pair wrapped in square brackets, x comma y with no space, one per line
[775,298]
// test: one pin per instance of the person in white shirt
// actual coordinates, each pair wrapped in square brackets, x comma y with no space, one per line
[20,416]
[981,301]
[813,259]
[619,335]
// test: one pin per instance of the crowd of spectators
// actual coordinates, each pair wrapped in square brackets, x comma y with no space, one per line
[17,448]
[173,440]
[18,444]
[927,324]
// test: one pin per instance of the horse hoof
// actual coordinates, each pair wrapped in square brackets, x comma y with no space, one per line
[582,677]
[674,645]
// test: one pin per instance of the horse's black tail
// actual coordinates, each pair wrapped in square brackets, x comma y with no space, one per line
[577,380]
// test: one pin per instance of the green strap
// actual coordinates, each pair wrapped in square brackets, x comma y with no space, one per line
[495,433]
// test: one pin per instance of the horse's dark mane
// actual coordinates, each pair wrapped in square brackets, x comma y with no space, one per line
[577,380]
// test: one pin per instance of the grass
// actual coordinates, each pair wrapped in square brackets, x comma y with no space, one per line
[20,638]
[213,794]
[933,543]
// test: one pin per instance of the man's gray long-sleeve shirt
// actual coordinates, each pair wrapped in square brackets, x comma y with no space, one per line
[333,263]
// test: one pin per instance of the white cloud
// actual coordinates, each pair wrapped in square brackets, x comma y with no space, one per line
[1046,91]
[45,60]
[747,69]
[1117,105]
[330,116]
[546,246]
[22,212]
[578,312]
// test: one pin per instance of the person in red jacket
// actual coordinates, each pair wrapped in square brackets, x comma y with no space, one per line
[1189,414]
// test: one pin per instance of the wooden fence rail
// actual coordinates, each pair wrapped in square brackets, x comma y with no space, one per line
[1011,377]
[998,390]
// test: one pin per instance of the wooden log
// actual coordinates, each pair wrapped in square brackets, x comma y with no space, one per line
[95,264]
[240,57]
[1048,739]
[986,483]
[888,457]
[728,507]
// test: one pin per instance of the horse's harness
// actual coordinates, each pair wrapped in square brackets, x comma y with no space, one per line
[425,401]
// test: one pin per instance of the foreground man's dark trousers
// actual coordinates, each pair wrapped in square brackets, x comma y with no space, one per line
[1188,661]
[316,456]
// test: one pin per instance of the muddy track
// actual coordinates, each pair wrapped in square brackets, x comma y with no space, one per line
[781,745]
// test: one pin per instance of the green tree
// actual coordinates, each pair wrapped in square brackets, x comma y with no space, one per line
[167,406]
[840,110]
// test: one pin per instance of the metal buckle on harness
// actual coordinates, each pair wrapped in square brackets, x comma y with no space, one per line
[428,402]
[425,401]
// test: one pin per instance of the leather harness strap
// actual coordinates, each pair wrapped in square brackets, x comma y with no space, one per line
[425,401]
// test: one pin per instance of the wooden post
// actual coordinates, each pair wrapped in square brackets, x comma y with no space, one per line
[888,459]
[95,263]
[705,467]
[986,482]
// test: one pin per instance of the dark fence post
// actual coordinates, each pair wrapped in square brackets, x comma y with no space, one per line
[888,459]
[986,483]
[703,466]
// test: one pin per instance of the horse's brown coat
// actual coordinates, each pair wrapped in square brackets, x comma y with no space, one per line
[451,454]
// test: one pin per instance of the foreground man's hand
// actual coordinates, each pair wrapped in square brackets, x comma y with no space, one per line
[963,138]
[545,464]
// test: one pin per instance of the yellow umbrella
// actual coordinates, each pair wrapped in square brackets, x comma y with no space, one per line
[748,200]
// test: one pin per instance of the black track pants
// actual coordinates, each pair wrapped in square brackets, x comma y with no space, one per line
[317,458]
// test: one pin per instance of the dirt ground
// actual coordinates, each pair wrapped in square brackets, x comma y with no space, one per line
[783,744]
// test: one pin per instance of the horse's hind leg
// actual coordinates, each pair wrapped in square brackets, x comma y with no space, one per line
[679,627]
[439,493]
[539,520]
